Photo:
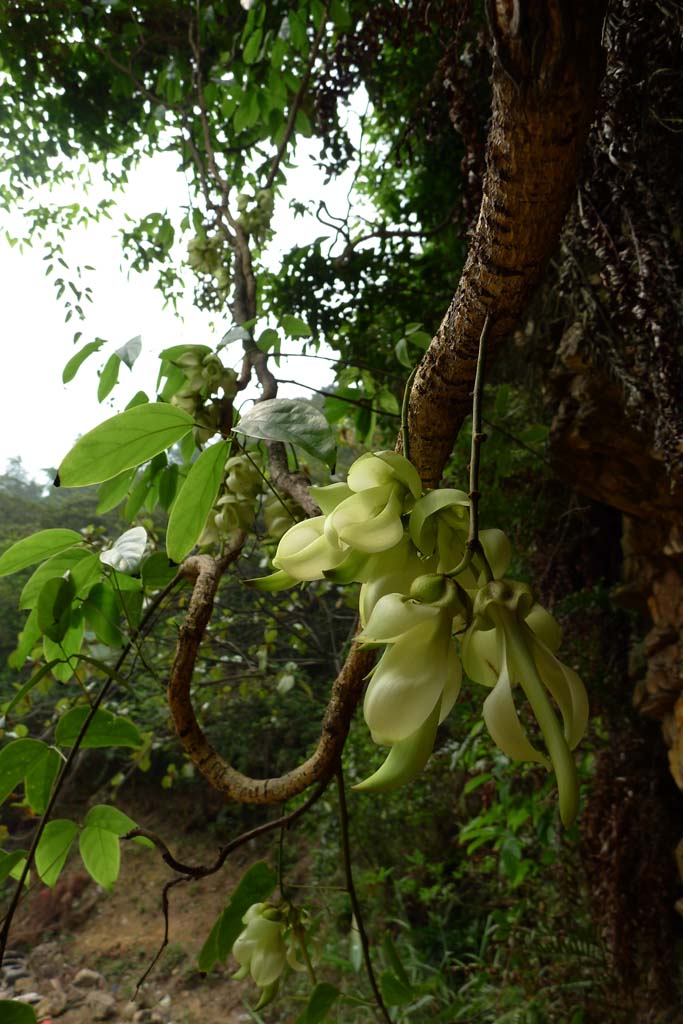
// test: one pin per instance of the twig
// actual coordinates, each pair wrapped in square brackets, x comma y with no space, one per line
[68,763]
[355,905]
[478,438]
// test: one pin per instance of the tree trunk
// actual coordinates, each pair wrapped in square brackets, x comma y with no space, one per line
[545,80]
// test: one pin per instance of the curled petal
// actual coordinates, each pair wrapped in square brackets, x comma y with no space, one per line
[502,721]
[305,553]
[369,521]
[327,498]
[425,516]
[407,683]
[406,759]
[376,468]
[393,616]
[481,655]
[567,690]
[544,626]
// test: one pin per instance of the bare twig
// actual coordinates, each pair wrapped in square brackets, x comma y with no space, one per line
[353,896]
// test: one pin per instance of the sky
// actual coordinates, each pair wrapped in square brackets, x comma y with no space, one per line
[41,417]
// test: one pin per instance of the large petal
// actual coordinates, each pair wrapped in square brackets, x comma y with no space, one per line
[406,759]
[305,552]
[567,689]
[406,685]
[369,471]
[502,721]
[480,655]
[544,626]
[394,615]
[498,551]
[453,684]
[327,498]
[369,521]
[268,963]
[425,516]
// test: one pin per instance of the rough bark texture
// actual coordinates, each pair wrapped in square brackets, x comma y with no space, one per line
[617,436]
[546,72]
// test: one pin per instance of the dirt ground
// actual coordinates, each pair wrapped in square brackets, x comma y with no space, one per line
[119,933]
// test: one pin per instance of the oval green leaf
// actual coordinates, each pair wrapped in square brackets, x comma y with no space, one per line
[53,849]
[293,421]
[123,441]
[99,849]
[40,779]
[36,548]
[195,499]
[75,363]
[16,760]
[105,730]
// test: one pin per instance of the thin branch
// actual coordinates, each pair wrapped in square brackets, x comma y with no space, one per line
[478,438]
[353,896]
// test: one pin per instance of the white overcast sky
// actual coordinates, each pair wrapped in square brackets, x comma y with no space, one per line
[40,416]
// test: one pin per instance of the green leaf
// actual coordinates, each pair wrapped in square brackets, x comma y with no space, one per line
[75,363]
[124,441]
[40,780]
[247,112]
[102,612]
[8,861]
[268,339]
[253,45]
[28,638]
[401,350]
[105,730]
[195,499]
[392,956]
[294,421]
[339,14]
[129,352]
[109,375]
[156,571]
[294,326]
[12,1012]
[53,849]
[99,849]
[55,566]
[321,1001]
[16,760]
[394,992]
[110,818]
[54,607]
[69,646]
[28,685]
[255,886]
[114,491]
[36,548]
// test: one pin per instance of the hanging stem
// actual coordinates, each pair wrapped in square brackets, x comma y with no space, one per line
[405,435]
[478,438]
[355,905]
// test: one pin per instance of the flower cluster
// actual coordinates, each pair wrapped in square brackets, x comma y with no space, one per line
[266,945]
[421,584]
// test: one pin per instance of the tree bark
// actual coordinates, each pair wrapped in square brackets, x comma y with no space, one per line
[546,72]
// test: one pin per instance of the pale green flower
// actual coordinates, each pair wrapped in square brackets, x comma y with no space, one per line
[305,553]
[512,642]
[416,681]
[260,948]
[381,487]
